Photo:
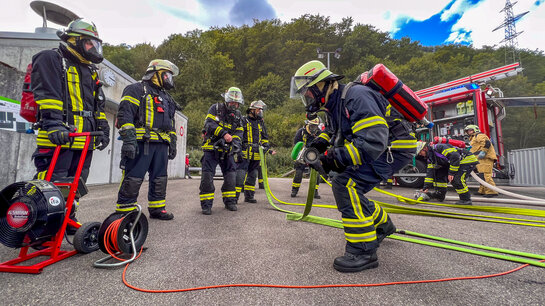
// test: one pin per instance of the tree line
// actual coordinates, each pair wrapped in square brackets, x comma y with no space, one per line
[260,59]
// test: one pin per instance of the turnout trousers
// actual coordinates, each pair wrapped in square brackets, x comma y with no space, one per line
[247,172]
[484,168]
[459,181]
[228,191]
[298,178]
[66,166]
[359,215]
[155,162]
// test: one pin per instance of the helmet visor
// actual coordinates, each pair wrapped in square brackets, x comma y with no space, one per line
[234,96]
[92,50]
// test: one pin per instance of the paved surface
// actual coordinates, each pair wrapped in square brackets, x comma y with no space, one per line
[257,245]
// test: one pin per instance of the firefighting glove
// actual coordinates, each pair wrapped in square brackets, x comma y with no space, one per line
[481,155]
[329,163]
[101,142]
[172,150]
[58,134]
[235,148]
[320,144]
[129,149]
[266,147]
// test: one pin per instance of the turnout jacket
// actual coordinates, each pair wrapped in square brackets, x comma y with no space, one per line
[481,142]
[68,91]
[360,122]
[255,134]
[219,122]
[443,156]
[150,110]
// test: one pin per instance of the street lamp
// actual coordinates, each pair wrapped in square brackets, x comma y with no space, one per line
[336,54]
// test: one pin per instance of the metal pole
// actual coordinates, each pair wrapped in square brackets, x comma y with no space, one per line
[328,60]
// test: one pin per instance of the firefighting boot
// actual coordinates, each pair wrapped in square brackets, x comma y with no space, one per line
[317,195]
[464,202]
[249,196]
[356,262]
[294,192]
[261,186]
[384,230]
[207,211]
[231,206]
[160,213]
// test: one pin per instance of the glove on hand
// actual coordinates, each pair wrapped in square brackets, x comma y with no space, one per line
[320,144]
[481,155]
[266,147]
[58,134]
[329,163]
[172,151]
[130,147]
[101,142]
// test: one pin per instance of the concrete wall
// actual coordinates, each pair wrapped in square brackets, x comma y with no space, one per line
[16,51]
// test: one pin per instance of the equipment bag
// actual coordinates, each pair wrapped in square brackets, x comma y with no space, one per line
[398,94]
[29,108]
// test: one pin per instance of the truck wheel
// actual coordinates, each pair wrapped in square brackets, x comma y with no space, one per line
[411,181]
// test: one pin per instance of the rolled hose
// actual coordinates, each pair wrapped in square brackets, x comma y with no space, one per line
[498,190]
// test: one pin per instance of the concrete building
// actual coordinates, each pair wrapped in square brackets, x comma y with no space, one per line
[16,51]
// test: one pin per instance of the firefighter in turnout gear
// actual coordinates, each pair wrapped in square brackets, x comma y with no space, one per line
[147,128]
[305,134]
[255,135]
[223,132]
[447,164]
[358,130]
[67,90]
[484,150]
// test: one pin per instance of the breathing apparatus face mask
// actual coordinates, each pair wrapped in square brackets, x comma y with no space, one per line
[232,106]
[167,80]
[90,49]
[313,129]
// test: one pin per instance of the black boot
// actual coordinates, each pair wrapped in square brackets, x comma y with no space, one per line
[231,207]
[464,202]
[160,213]
[207,211]
[355,263]
[384,230]
[261,186]
[250,200]
[317,195]
[294,192]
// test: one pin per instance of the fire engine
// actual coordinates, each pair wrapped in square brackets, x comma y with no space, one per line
[454,105]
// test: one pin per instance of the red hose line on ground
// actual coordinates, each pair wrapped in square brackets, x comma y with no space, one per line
[110,240]
[318,286]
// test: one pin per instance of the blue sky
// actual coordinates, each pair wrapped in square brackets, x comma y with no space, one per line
[432,22]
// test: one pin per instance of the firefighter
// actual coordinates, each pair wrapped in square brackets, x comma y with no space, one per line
[484,150]
[66,87]
[358,130]
[222,140]
[447,164]
[255,135]
[306,134]
[146,126]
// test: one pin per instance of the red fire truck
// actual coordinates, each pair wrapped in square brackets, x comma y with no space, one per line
[454,105]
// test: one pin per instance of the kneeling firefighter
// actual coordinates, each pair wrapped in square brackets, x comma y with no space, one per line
[358,129]
[255,135]
[447,164]
[146,125]
[305,134]
[222,140]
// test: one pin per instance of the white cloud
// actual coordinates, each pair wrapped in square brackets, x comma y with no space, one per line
[140,21]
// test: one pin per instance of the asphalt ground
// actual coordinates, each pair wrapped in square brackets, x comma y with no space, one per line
[257,245]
